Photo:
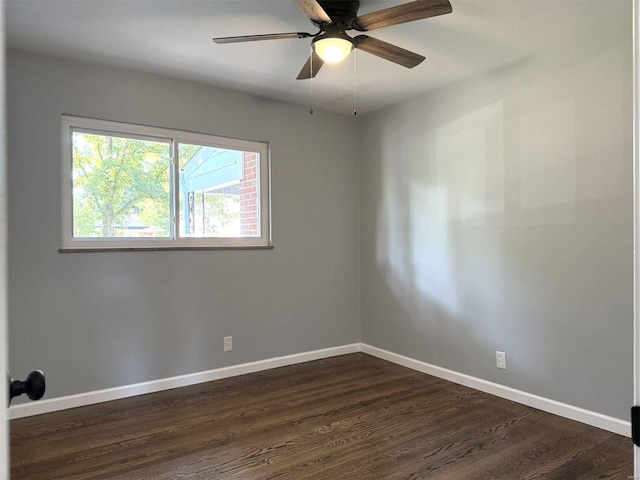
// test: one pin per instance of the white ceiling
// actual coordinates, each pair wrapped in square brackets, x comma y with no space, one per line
[173,37]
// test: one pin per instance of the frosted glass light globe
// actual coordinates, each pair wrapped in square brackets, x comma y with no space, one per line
[333,50]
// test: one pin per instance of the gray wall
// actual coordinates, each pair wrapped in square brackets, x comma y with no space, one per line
[496,214]
[99,320]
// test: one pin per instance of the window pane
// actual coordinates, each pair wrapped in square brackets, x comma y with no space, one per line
[219,192]
[121,187]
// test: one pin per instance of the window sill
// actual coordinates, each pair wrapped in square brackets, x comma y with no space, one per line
[159,249]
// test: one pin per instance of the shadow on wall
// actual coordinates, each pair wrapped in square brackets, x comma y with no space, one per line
[500,218]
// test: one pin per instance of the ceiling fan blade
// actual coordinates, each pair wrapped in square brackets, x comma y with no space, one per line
[255,38]
[313,10]
[404,13]
[311,68]
[387,51]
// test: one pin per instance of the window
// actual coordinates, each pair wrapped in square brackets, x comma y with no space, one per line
[136,187]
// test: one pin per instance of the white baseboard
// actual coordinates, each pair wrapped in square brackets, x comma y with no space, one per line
[99,396]
[595,419]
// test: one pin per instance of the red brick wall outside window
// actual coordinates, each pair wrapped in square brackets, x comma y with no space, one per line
[249,203]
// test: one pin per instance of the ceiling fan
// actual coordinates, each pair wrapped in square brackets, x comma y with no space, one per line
[334,18]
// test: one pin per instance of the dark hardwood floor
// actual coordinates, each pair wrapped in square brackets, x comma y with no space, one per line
[352,417]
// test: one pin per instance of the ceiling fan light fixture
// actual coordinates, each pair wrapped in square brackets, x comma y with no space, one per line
[333,49]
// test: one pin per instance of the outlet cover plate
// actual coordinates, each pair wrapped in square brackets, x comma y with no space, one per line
[228,344]
[501,360]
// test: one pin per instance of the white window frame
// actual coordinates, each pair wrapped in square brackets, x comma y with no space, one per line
[173,138]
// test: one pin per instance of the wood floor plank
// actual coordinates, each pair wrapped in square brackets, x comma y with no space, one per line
[348,417]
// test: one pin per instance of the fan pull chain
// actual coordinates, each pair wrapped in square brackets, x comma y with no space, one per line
[355,82]
[311,82]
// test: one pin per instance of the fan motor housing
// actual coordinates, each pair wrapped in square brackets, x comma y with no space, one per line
[342,12]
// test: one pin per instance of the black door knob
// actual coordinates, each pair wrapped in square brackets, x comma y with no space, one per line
[34,386]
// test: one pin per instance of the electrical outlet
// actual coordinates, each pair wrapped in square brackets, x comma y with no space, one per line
[501,360]
[228,344]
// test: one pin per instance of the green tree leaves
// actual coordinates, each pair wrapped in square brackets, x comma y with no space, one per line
[120,185]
